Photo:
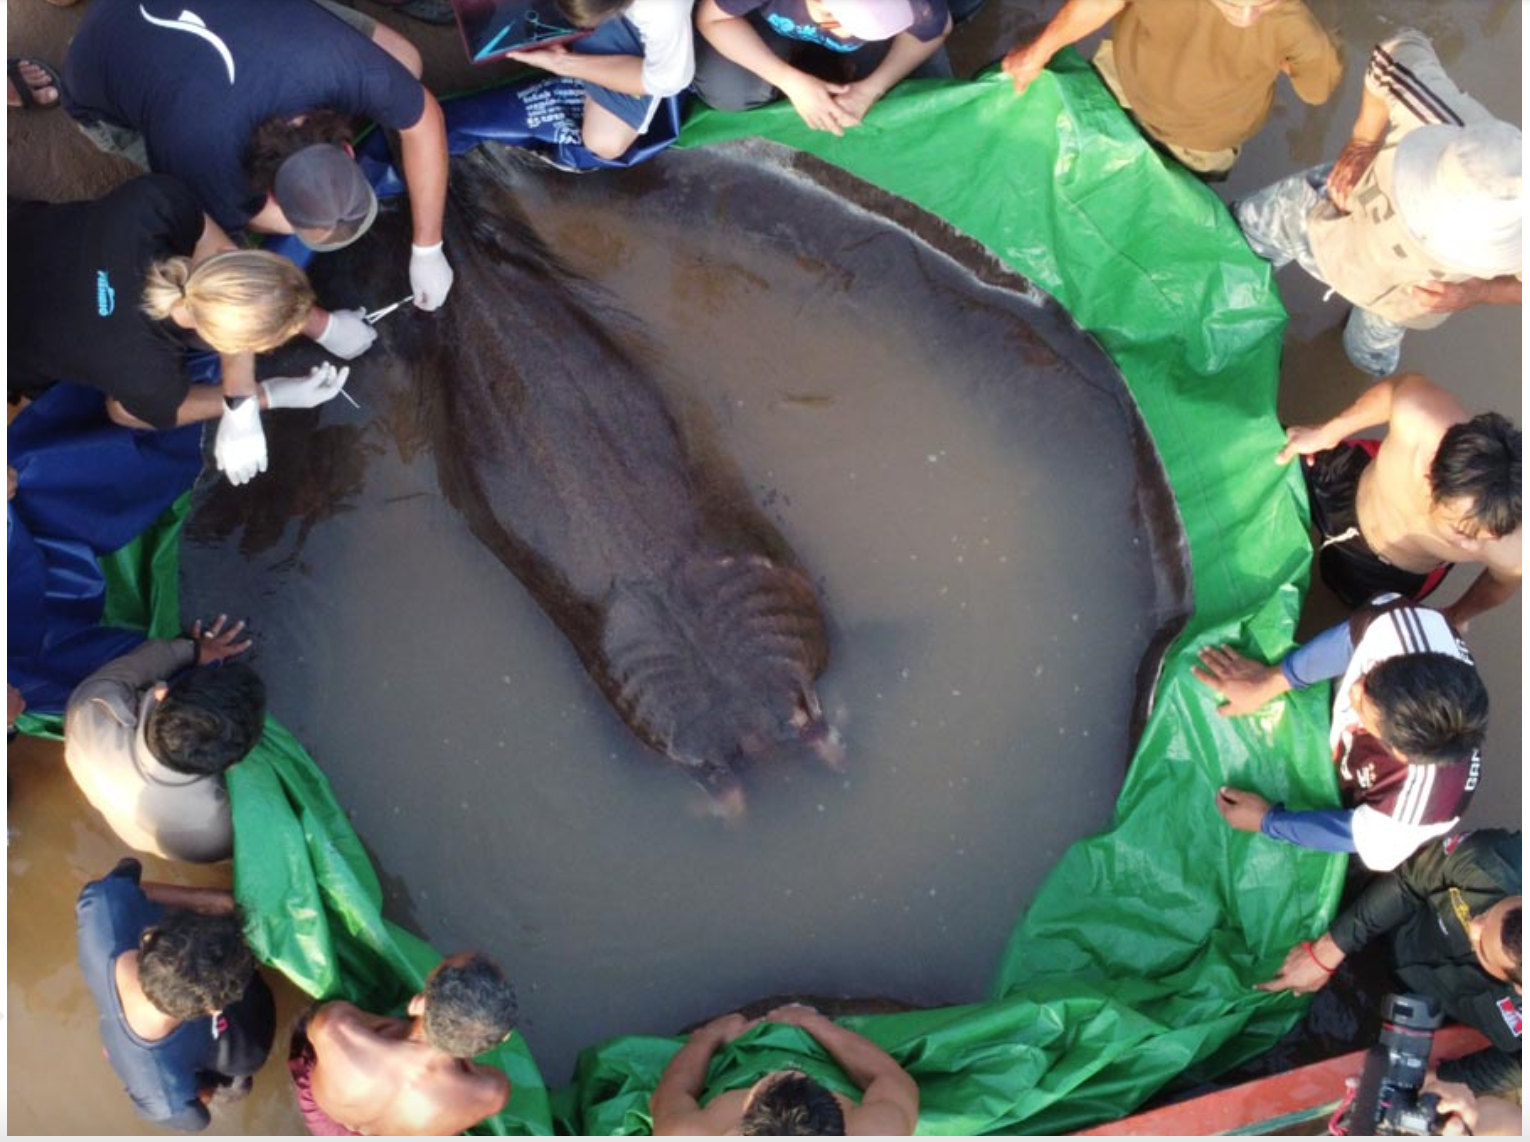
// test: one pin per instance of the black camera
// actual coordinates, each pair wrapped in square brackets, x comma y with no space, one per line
[1387,1101]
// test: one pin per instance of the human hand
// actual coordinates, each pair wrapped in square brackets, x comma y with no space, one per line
[347,334]
[1457,1106]
[794,1015]
[857,101]
[1353,161]
[217,644]
[240,446]
[816,101]
[1242,810]
[323,383]
[725,1028]
[1023,64]
[430,276]
[15,705]
[1307,968]
[1245,685]
[1303,440]
[10,482]
[555,58]
[1450,297]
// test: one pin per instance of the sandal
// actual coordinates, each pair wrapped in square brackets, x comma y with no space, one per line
[26,92]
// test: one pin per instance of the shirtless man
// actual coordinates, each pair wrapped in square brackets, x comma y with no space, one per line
[358,1073]
[1441,488]
[786,1102]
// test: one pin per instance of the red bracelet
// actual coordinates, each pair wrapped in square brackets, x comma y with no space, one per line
[1324,967]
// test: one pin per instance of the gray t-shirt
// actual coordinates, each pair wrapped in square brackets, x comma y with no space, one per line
[150,806]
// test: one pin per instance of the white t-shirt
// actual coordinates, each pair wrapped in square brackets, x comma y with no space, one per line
[669,45]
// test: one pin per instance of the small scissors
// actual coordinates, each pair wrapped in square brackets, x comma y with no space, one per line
[378,314]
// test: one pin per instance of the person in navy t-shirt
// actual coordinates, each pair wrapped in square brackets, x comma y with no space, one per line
[754,51]
[251,104]
[185,1019]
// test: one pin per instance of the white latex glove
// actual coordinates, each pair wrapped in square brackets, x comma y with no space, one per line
[346,333]
[322,384]
[430,276]
[240,447]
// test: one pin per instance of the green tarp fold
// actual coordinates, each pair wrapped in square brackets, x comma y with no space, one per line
[1135,963]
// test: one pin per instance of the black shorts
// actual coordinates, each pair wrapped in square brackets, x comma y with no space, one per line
[1349,567]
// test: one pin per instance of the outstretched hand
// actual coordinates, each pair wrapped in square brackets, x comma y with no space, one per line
[817,101]
[725,1028]
[794,1014]
[1023,64]
[1306,969]
[1245,685]
[1241,809]
[218,643]
[1303,440]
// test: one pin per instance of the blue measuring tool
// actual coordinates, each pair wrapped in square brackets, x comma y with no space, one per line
[544,31]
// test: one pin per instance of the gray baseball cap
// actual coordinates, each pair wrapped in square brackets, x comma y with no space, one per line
[322,188]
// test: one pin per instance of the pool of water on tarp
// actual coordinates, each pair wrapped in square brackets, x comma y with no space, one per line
[970,511]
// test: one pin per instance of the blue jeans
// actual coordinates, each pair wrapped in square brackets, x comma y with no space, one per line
[1274,221]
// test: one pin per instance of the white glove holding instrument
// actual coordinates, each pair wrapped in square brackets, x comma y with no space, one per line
[430,276]
[322,384]
[347,334]
[240,447]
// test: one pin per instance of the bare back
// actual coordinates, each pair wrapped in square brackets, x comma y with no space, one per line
[374,1077]
[1394,503]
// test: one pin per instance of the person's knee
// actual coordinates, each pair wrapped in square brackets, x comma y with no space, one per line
[400,49]
[608,138]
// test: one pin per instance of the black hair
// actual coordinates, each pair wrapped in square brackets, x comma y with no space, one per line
[190,964]
[591,13]
[469,1008]
[210,718]
[1479,461]
[278,139]
[1513,942]
[1433,708]
[793,1106]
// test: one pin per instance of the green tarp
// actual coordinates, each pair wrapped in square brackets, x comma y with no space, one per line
[1135,963]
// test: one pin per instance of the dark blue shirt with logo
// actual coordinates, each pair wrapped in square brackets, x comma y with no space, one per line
[196,77]
[163,1078]
[790,18]
[76,272]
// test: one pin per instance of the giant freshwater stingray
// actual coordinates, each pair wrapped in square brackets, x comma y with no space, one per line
[683,602]
[962,472]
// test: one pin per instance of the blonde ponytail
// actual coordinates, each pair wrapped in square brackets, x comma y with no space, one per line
[242,301]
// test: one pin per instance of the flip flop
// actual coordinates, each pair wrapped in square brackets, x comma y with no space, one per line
[26,91]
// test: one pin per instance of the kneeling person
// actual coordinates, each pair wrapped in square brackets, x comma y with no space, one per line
[358,1073]
[150,755]
[639,52]
[185,1019]
[786,1102]
[1441,488]
[1455,919]
[1409,719]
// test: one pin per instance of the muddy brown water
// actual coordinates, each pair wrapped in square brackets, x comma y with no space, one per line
[58,1081]
[943,477]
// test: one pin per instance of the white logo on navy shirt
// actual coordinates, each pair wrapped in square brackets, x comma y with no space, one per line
[189,21]
[106,297]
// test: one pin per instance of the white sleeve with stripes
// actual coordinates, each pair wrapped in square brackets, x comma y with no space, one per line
[1407,73]
[1383,843]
